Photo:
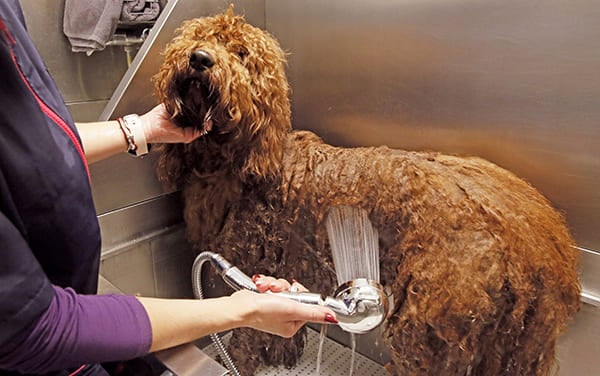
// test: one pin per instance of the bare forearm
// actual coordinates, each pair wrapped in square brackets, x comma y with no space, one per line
[175,322]
[101,139]
[106,138]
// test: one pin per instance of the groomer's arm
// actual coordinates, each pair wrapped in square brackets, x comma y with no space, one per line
[101,139]
[106,138]
[177,321]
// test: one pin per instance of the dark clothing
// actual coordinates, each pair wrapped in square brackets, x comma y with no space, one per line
[47,214]
[49,232]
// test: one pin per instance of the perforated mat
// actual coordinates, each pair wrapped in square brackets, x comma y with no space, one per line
[335,362]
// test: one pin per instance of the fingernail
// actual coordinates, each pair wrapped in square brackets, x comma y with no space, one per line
[329,318]
[255,277]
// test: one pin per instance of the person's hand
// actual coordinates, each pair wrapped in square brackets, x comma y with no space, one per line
[278,315]
[266,283]
[159,128]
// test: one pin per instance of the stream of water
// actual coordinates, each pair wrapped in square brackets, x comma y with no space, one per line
[354,244]
[322,335]
[355,248]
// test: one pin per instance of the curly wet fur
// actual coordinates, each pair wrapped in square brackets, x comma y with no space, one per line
[481,266]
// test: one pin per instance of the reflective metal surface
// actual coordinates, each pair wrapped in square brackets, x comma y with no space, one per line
[517,82]
[367,305]
[590,276]
[79,77]
[579,347]
[189,360]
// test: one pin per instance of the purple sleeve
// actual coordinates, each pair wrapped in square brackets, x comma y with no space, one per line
[78,329]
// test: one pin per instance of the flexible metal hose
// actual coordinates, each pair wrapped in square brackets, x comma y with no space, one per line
[197,288]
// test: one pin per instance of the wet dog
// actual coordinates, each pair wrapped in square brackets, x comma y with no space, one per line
[481,267]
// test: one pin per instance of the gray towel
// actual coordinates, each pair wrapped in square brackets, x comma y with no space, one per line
[89,24]
[140,10]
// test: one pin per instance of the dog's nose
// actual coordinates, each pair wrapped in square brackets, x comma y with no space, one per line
[201,60]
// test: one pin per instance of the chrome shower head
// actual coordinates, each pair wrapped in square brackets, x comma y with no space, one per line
[367,305]
[360,305]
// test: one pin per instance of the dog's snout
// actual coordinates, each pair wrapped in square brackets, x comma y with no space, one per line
[201,60]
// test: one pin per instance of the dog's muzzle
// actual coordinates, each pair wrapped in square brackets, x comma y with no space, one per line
[201,60]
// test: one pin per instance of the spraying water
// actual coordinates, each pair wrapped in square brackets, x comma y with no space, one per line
[322,335]
[354,244]
[355,247]
[353,356]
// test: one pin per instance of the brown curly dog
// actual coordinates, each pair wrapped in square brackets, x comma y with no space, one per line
[482,268]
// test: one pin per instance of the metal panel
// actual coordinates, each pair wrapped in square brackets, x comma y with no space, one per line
[516,82]
[188,360]
[86,111]
[590,276]
[172,260]
[78,76]
[578,349]
[121,180]
[131,270]
[123,227]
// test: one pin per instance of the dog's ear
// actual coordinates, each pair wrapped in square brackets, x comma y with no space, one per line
[266,153]
[269,106]
[268,131]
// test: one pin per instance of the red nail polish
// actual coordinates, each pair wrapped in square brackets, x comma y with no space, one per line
[329,318]
[255,277]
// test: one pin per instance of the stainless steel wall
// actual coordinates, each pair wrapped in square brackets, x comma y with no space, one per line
[86,82]
[517,82]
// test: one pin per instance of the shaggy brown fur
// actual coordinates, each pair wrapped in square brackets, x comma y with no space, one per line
[481,266]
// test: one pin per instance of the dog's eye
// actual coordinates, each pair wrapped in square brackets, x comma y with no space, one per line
[242,52]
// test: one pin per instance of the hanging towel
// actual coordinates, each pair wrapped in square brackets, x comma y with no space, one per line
[89,24]
[140,10]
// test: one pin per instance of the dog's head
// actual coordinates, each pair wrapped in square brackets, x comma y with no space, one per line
[227,79]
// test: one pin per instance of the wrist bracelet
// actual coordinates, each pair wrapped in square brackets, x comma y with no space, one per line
[132,128]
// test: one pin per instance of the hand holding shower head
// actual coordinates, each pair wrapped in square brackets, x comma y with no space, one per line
[360,305]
